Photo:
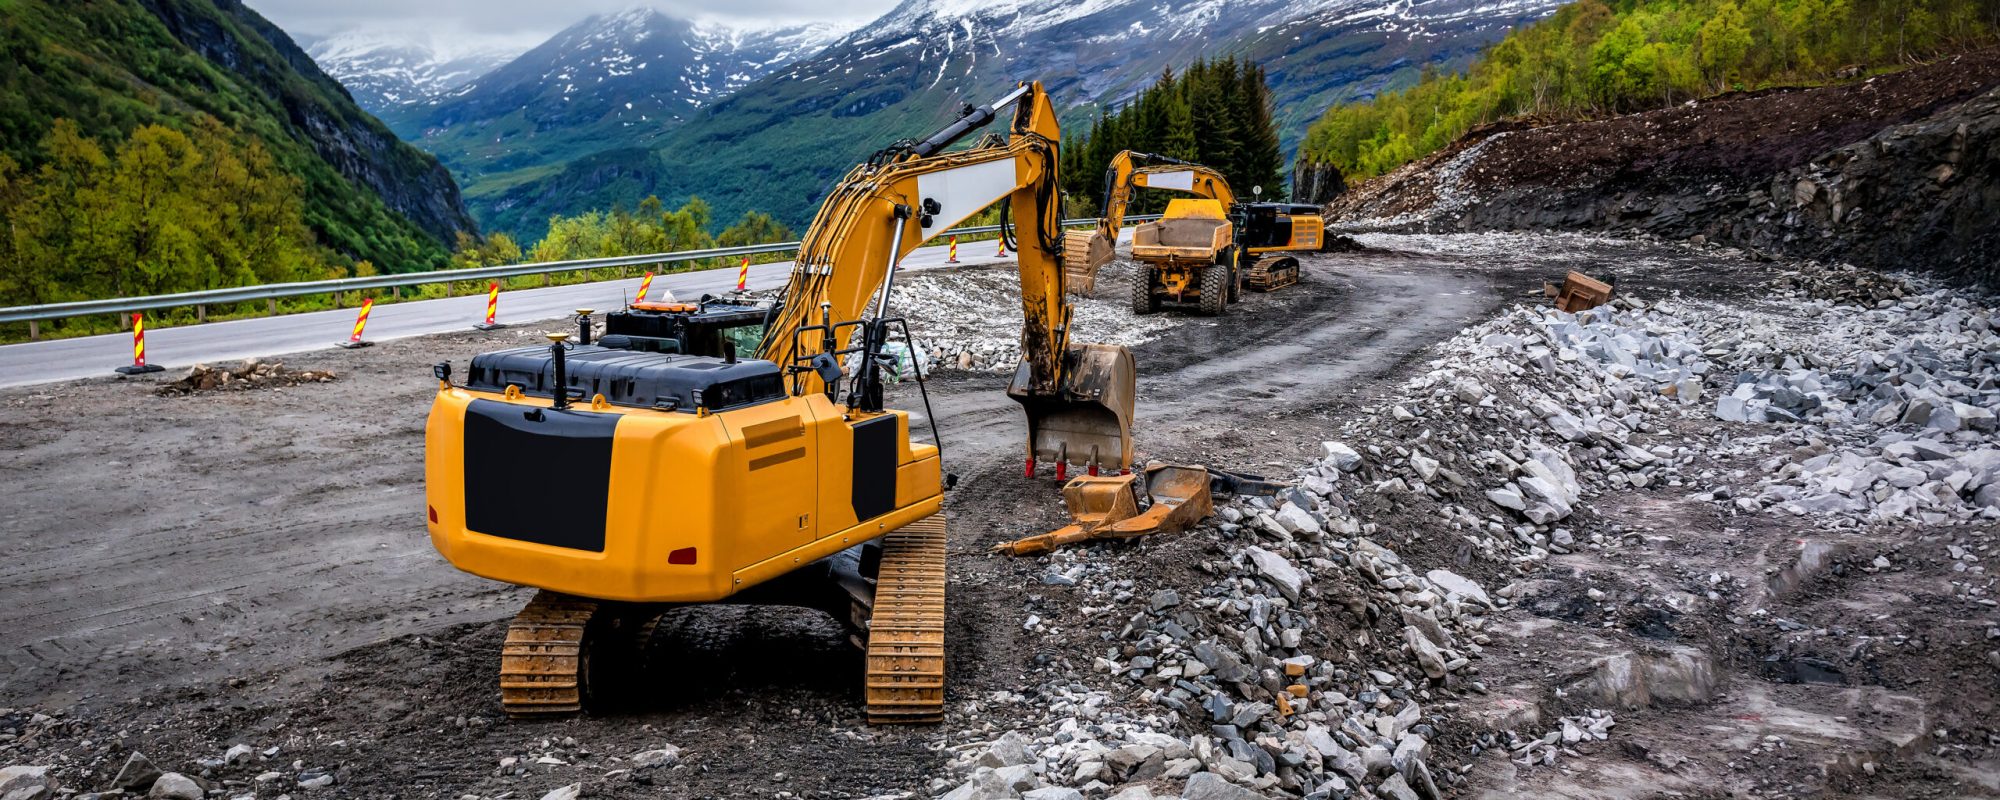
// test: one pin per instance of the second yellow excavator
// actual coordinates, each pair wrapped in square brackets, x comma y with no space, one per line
[672,463]
[1205,249]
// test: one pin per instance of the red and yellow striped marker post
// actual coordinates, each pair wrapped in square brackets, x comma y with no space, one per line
[360,322]
[645,286]
[139,365]
[952,258]
[492,308]
[1003,245]
[743,275]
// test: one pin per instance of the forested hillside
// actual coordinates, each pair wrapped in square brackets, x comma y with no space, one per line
[1217,113]
[1599,57]
[170,145]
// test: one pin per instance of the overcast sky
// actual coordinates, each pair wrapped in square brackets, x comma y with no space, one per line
[535,19]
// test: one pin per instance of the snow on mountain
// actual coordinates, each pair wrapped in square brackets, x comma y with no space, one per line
[611,80]
[384,69]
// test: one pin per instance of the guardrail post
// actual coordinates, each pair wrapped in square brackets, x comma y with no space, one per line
[34,329]
[273,306]
[200,313]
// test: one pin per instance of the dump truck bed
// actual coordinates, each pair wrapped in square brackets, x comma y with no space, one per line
[1183,239]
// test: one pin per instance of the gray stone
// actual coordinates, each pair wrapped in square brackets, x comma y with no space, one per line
[1210,786]
[1426,467]
[1508,496]
[663,757]
[1279,571]
[1165,599]
[1225,664]
[570,792]
[1428,656]
[1343,457]
[1010,749]
[316,782]
[237,755]
[137,775]
[1453,584]
[175,786]
[1019,777]
[1057,793]
[1295,519]
[1138,792]
[985,784]
[1395,788]
[26,778]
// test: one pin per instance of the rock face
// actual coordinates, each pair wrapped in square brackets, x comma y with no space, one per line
[359,147]
[1316,182]
[1892,172]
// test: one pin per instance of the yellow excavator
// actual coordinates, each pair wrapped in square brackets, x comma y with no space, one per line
[1084,252]
[706,453]
[1249,244]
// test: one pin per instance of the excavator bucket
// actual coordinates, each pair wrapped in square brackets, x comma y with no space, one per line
[1578,292]
[1105,508]
[1084,253]
[1180,499]
[1087,421]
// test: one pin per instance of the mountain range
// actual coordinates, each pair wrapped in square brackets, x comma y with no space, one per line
[768,121]
[113,66]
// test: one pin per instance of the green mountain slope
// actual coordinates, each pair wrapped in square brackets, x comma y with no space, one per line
[114,66]
[1602,57]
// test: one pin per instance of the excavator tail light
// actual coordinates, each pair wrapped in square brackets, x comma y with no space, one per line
[434,514]
[684,555]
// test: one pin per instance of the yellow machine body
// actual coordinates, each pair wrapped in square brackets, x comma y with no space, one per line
[697,507]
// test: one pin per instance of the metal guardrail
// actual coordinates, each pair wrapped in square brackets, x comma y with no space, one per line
[273,291]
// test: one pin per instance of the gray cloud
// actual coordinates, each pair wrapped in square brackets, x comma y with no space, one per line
[533,18]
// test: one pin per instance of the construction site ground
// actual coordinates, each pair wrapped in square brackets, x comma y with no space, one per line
[191,572]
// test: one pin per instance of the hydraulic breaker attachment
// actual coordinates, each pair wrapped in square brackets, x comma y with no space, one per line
[1578,292]
[1084,253]
[1087,422]
[1104,508]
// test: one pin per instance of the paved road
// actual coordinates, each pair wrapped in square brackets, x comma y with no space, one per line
[92,356]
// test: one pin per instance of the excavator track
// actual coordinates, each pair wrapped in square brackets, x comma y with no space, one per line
[1080,275]
[543,663]
[1271,272]
[905,680]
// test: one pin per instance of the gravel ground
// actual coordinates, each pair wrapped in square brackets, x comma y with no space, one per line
[270,585]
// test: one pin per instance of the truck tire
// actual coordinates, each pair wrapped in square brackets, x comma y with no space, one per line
[1143,301]
[1214,289]
[1229,259]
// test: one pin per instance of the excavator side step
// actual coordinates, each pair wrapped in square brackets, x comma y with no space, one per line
[542,663]
[905,661]
[1271,273]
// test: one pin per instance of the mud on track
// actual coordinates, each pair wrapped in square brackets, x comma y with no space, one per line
[186,573]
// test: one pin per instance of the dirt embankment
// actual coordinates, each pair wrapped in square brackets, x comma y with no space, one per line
[1900,170]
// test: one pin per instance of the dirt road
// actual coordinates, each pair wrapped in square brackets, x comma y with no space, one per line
[186,573]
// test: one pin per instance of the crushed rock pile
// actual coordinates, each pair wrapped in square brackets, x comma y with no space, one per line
[971,317]
[1318,661]
[251,374]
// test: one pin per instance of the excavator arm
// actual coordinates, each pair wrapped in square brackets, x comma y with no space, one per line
[1087,251]
[1078,397]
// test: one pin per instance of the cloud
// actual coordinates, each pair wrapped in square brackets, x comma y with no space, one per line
[536,18]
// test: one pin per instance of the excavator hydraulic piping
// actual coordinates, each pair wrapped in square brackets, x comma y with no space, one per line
[973,119]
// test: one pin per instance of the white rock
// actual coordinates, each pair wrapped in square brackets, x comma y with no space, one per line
[1455,585]
[1279,570]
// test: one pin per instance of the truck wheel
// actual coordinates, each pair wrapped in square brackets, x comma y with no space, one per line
[1229,260]
[1214,289]
[1143,301]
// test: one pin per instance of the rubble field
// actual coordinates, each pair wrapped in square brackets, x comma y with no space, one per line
[1725,537]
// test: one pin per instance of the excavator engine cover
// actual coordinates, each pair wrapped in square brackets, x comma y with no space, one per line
[1088,420]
